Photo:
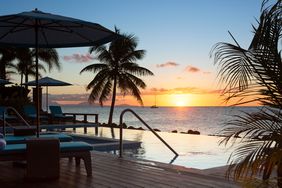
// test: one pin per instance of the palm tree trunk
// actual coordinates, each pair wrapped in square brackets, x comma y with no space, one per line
[26,79]
[22,79]
[21,92]
[110,121]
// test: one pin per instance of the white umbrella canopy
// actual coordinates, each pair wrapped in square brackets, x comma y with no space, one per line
[47,81]
[37,29]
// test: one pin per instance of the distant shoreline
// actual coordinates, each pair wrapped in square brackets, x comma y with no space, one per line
[95,105]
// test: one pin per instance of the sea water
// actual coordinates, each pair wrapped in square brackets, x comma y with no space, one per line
[195,151]
[206,120]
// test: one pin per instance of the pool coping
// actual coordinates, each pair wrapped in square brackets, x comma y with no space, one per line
[110,145]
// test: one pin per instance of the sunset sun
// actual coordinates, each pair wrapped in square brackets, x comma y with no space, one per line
[180,100]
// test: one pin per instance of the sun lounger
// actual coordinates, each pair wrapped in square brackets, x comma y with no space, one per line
[79,150]
[57,114]
[11,139]
[30,113]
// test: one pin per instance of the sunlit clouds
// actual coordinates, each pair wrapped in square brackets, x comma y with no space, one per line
[168,64]
[180,90]
[79,58]
[192,69]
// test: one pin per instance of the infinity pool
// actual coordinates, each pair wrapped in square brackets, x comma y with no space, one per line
[195,151]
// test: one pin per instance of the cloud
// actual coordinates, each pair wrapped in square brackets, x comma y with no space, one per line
[192,69]
[180,90]
[69,97]
[167,64]
[79,58]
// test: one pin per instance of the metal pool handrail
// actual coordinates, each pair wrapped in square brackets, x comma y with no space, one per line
[140,119]
[17,114]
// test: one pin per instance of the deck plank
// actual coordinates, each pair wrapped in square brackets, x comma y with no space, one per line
[111,171]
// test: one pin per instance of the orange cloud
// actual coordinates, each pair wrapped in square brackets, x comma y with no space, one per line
[79,58]
[167,64]
[192,69]
[182,90]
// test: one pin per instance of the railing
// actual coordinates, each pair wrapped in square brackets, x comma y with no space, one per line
[18,116]
[85,115]
[121,128]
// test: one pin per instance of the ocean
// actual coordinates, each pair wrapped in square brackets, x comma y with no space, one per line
[195,151]
[206,120]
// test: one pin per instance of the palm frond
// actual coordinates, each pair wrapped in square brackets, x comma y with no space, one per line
[234,65]
[105,92]
[130,87]
[133,56]
[133,68]
[97,88]
[258,136]
[102,75]
[50,56]
[94,68]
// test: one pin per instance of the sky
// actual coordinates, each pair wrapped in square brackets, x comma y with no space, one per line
[178,36]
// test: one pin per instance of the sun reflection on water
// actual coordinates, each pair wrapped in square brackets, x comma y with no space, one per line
[196,151]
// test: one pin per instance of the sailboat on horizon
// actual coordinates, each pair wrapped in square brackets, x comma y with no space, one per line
[155,105]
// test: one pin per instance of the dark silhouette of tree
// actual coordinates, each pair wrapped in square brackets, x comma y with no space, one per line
[255,75]
[117,70]
[7,55]
[25,58]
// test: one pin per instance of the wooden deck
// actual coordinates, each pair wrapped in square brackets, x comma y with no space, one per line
[110,171]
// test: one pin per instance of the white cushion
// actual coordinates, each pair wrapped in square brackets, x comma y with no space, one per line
[2,144]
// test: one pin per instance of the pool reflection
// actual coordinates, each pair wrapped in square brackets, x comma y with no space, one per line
[195,151]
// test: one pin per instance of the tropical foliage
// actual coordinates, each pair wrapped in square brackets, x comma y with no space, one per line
[255,75]
[117,70]
[25,59]
[7,56]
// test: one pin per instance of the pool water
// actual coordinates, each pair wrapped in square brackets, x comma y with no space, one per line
[195,151]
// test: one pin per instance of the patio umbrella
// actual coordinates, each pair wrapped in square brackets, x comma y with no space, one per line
[37,29]
[47,81]
[4,82]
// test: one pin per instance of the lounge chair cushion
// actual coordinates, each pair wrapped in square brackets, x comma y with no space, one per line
[75,146]
[11,139]
[14,149]
[56,110]
[30,112]
[64,147]
[79,150]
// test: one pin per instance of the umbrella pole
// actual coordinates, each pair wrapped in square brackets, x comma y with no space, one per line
[47,99]
[37,84]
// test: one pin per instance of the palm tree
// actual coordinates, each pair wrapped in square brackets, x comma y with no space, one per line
[7,56]
[26,59]
[255,75]
[47,55]
[117,70]
[27,69]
